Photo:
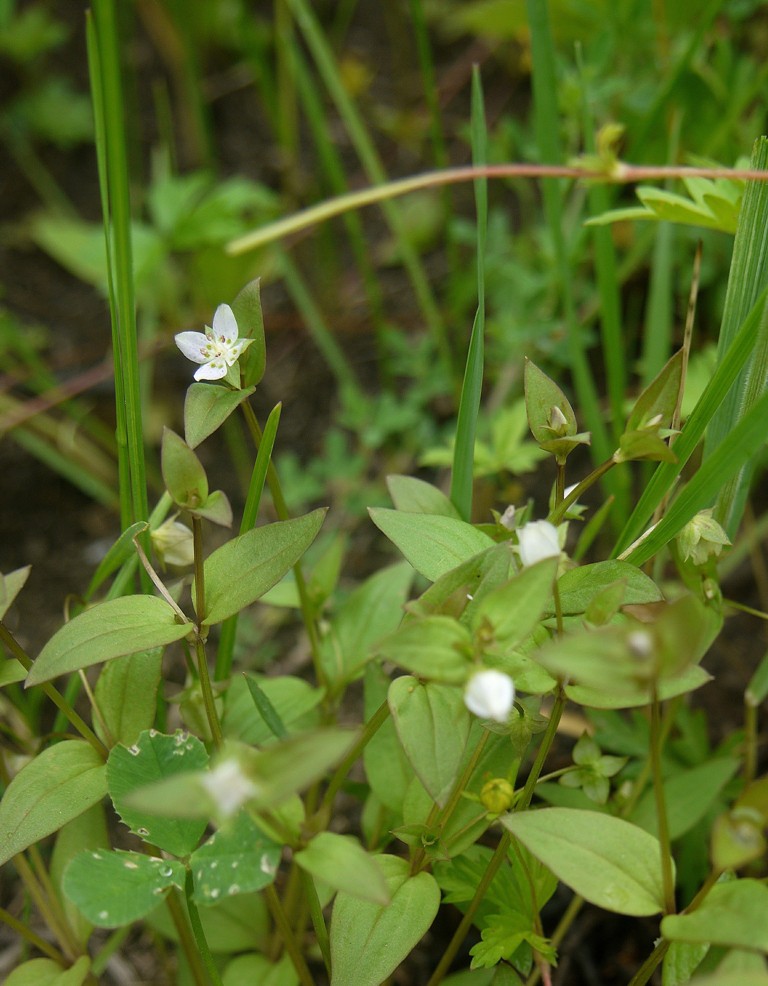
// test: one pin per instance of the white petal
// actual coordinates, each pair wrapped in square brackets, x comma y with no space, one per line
[191,345]
[490,694]
[538,540]
[214,370]
[225,324]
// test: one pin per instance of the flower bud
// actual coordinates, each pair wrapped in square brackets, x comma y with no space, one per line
[537,540]
[497,795]
[490,694]
[173,543]
[702,538]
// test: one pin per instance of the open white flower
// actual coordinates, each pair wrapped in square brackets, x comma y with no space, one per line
[490,695]
[537,540]
[216,349]
[228,787]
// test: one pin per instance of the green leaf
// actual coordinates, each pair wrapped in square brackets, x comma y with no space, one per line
[58,785]
[216,508]
[292,699]
[126,696]
[371,611]
[87,831]
[415,496]
[342,863]
[235,924]
[688,796]
[659,398]
[386,767]
[368,941]
[155,757]
[435,647]
[207,406]
[432,544]
[607,697]
[45,972]
[606,860]
[183,472]
[731,914]
[514,609]
[255,968]
[237,859]
[250,324]
[10,586]
[680,963]
[579,586]
[541,395]
[433,725]
[116,888]
[245,567]
[108,630]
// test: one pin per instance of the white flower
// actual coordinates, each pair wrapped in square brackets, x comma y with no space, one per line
[217,349]
[490,695]
[174,543]
[537,540]
[228,786]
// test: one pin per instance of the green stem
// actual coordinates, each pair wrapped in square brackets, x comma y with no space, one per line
[46,907]
[667,876]
[202,659]
[291,945]
[318,921]
[186,938]
[561,508]
[543,751]
[443,816]
[9,641]
[281,508]
[648,967]
[369,731]
[466,922]
[34,940]
[197,930]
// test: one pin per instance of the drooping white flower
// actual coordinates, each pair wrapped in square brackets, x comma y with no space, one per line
[490,694]
[174,543]
[537,540]
[216,349]
[229,787]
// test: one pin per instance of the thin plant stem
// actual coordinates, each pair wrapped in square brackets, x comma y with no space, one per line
[291,945]
[466,922]
[46,906]
[559,933]
[197,930]
[442,816]
[186,938]
[648,967]
[543,751]
[202,659]
[24,931]
[370,729]
[318,921]
[281,508]
[749,755]
[9,641]
[667,876]
[561,508]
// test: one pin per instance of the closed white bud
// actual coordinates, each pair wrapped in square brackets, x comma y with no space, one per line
[490,694]
[537,540]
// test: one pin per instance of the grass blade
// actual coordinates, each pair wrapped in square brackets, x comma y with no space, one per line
[469,403]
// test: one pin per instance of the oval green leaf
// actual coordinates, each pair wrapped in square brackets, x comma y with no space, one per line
[156,757]
[342,863]
[58,785]
[111,629]
[207,407]
[237,859]
[243,569]
[369,941]
[45,972]
[606,860]
[432,544]
[115,888]
[732,914]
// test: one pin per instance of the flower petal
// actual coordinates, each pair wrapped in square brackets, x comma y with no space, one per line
[213,370]
[192,345]
[225,324]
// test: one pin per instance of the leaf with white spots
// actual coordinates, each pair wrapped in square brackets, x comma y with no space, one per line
[237,859]
[116,888]
[156,757]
